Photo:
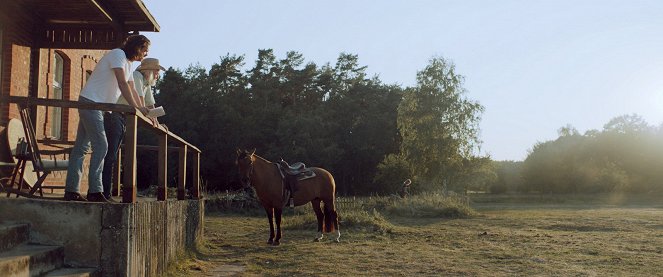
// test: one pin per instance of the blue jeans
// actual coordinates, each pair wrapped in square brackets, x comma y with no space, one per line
[90,134]
[115,127]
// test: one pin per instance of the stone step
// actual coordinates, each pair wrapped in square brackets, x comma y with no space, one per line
[12,235]
[31,260]
[73,272]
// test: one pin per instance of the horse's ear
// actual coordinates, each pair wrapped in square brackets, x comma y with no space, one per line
[253,151]
[239,151]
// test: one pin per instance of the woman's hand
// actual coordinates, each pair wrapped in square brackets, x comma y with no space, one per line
[144,110]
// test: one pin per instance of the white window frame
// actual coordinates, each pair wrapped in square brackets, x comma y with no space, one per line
[58,87]
[1,56]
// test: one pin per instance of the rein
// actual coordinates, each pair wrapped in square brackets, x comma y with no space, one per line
[250,175]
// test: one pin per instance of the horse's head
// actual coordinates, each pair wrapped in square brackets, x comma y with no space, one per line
[244,163]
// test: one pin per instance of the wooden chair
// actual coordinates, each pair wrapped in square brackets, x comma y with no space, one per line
[28,151]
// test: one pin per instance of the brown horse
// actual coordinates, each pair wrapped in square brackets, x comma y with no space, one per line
[265,177]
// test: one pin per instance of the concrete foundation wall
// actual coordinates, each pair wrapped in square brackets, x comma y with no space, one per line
[121,239]
[162,232]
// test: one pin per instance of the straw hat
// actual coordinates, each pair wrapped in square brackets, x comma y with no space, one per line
[150,64]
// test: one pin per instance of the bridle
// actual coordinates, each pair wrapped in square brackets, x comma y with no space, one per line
[246,180]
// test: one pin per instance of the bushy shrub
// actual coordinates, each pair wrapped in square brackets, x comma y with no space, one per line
[371,221]
[235,202]
[431,205]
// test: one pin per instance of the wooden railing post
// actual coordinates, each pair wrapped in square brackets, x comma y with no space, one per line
[181,180]
[162,164]
[117,174]
[129,184]
[195,187]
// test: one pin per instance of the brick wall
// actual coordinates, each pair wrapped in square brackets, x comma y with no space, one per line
[15,66]
[76,63]
[29,72]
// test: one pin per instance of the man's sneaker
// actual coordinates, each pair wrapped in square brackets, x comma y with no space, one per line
[97,197]
[73,196]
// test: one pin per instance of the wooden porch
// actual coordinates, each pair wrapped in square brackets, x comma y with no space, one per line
[188,155]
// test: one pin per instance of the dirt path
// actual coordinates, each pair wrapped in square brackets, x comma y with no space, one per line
[219,268]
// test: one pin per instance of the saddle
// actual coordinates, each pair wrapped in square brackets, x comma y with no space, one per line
[291,175]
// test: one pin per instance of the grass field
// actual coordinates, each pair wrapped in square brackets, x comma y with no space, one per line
[504,237]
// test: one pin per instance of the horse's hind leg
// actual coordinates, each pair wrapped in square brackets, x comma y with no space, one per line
[277,214]
[320,216]
[270,217]
[338,231]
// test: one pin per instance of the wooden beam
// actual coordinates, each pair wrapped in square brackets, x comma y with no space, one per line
[101,9]
[156,148]
[195,167]
[32,101]
[129,184]
[141,6]
[162,171]
[181,178]
[116,24]
[79,34]
[117,174]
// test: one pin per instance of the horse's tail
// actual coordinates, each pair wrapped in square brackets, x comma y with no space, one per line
[330,222]
[329,215]
[331,219]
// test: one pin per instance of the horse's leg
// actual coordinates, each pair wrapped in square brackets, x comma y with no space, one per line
[277,214]
[270,217]
[338,231]
[320,216]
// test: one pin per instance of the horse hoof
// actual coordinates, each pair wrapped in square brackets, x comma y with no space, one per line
[270,242]
[316,239]
[337,240]
[276,243]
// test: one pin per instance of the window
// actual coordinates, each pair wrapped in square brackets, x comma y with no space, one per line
[56,112]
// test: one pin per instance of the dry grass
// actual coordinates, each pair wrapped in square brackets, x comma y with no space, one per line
[558,240]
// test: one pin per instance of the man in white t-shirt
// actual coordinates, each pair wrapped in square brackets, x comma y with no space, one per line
[111,78]
[145,77]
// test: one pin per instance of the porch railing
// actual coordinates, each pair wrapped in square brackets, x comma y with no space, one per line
[132,119]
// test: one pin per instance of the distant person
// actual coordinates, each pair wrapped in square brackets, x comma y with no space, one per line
[405,189]
[145,77]
[111,78]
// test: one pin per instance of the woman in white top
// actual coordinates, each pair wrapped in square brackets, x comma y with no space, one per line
[111,78]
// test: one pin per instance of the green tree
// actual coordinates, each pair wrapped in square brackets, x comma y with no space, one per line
[438,125]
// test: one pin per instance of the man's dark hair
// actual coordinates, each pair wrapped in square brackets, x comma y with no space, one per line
[132,45]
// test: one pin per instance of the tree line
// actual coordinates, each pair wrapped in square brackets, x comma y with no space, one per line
[370,135]
[626,156]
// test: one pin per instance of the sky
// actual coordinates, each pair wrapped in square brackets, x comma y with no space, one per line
[535,66]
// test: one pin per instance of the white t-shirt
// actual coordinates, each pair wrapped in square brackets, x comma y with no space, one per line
[102,85]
